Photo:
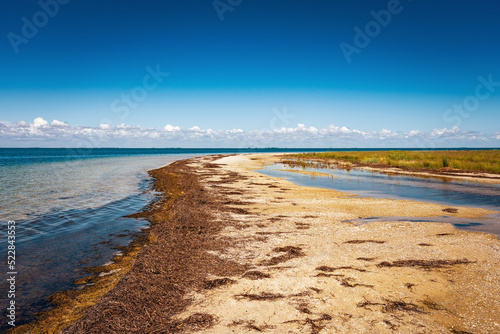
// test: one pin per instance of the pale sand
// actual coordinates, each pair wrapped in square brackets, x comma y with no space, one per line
[306,172]
[462,297]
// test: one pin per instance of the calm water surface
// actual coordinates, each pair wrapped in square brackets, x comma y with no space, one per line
[427,189]
[69,215]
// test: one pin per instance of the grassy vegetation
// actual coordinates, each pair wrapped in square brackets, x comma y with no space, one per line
[477,161]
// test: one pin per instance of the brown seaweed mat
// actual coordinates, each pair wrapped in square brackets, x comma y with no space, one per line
[171,262]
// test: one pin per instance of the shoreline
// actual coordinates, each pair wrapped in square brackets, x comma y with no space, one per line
[466,176]
[234,250]
[474,176]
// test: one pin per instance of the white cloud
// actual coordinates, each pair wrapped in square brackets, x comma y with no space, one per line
[445,132]
[58,124]
[40,122]
[234,131]
[169,127]
[60,133]
[195,128]
[123,126]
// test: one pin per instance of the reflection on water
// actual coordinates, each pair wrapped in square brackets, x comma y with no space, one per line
[488,224]
[428,189]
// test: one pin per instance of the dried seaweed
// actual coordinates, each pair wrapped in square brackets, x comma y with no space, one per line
[425,264]
[184,225]
[255,275]
[250,324]
[211,165]
[332,269]
[291,252]
[345,282]
[304,308]
[196,321]
[456,331]
[262,296]
[410,286]
[390,306]
[364,241]
[316,324]
[215,283]
[393,306]
[450,210]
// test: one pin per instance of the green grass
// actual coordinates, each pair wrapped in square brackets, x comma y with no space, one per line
[473,161]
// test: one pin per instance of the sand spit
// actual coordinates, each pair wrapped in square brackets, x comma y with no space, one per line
[476,177]
[313,174]
[240,252]
[309,273]
[444,173]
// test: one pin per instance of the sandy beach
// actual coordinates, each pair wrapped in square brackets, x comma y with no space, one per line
[235,251]
[243,167]
[315,274]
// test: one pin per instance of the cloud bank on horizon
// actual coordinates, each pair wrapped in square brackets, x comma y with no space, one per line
[391,73]
[57,133]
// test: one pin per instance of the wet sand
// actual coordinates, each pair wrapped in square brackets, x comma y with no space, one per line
[234,251]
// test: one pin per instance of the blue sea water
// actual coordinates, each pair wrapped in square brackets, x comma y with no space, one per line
[69,206]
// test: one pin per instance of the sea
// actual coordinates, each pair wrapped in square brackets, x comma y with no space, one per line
[68,208]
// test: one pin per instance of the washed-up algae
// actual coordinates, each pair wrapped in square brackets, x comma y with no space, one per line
[71,305]
[166,270]
[146,286]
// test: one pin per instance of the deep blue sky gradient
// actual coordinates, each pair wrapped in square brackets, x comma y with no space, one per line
[263,55]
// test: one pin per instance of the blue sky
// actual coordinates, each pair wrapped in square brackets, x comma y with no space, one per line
[424,68]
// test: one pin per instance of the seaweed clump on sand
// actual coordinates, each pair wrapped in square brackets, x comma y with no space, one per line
[424,264]
[255,275]
[262,296]
[364,241]
[215,283]
[391,306]
[171,261]
[291,252]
